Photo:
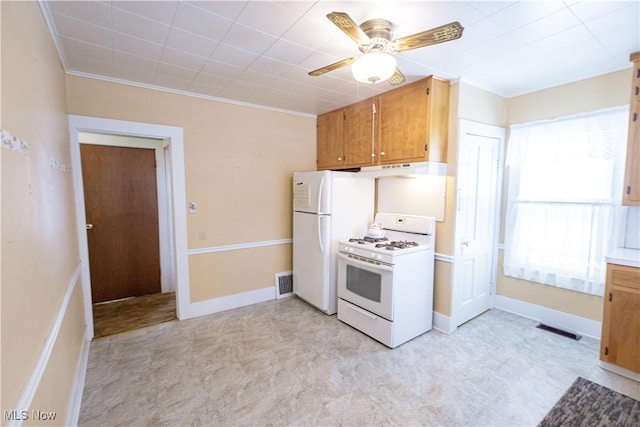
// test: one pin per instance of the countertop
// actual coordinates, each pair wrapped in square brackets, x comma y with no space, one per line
[625,256]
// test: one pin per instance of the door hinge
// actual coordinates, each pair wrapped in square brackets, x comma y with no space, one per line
[426,147]
[606,351]
[427,91]
[635,116]
[628,189]
[610,296]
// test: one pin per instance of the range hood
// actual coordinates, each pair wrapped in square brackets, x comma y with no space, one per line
[406,169]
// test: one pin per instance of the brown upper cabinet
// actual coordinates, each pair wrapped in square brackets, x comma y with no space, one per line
[631,191]
[358,139]
[407,124]
[413,122]
[330,127]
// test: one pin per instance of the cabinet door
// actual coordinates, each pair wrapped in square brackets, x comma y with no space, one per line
[631,189]
[403,123]
[358,134]
[622,346]
[413,122]
[620,343]
[329,140]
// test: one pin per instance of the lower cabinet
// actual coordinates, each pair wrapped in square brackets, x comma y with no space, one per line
[620,344]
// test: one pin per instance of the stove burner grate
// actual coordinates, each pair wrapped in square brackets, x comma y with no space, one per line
[397,244]
[367,239]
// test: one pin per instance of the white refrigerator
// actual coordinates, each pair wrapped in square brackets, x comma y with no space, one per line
[327,206]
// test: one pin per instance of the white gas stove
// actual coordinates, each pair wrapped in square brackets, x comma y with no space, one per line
[403,234]
[385,285]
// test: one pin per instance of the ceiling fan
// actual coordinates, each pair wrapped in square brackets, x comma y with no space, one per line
[374,41]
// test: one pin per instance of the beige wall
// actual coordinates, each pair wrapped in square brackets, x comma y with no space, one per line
[586,95]
[608,90]
[239,162]
[481,106]
[39,241]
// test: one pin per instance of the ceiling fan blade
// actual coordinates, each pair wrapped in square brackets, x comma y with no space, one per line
[436,35]
[333,66]
[350,28]
[397,77]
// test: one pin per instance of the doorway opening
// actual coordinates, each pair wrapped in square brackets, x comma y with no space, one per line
[124,183]
[167,144]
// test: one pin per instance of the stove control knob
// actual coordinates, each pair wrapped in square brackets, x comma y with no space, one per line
[373,255]
[351,250]
[379,256]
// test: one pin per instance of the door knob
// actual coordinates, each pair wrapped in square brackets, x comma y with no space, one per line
[89,226]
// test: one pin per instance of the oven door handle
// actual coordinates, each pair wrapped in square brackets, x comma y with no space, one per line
[364,264]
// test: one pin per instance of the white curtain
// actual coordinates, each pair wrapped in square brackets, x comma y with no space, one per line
[565,185]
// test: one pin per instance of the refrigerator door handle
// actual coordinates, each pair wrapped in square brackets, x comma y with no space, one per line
[320,187]
[320,233]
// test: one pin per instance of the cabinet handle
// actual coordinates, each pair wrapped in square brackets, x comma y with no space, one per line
[638,73]
[610,297]
[635,116]
[382,153]
[339,159]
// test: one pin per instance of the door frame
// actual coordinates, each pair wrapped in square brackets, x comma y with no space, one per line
[175,242]
[485,130]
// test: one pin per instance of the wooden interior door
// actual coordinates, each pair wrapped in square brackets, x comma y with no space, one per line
[121,206]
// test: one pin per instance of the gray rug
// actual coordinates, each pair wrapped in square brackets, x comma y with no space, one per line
[586,403]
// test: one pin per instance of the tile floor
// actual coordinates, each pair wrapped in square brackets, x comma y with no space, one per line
[285,363]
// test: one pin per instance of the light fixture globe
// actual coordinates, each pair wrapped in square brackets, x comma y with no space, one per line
[373,67]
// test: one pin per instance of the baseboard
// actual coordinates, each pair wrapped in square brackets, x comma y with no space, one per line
[548,316]
[443,323]
[620,371]
[81,374]
[229,302]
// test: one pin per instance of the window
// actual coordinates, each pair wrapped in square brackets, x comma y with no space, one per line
[565,184]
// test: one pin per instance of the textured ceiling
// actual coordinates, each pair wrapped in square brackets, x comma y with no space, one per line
[259,52]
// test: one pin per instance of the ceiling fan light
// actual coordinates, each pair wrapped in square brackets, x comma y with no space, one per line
[374,67]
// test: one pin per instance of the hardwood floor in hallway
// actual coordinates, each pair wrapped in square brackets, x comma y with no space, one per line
[133,313]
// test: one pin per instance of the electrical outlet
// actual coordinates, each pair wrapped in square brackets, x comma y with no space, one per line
[202,235]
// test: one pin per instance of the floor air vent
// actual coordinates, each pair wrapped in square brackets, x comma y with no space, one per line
[284,285]
[559,331]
